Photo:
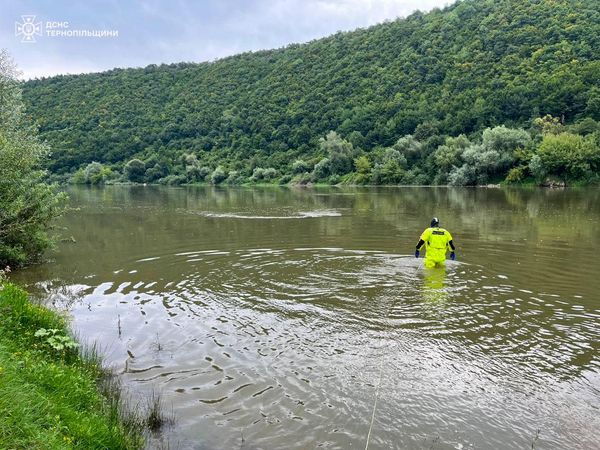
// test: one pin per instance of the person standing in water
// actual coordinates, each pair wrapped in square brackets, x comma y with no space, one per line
[437,241]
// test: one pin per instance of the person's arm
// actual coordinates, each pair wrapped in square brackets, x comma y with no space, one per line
[424,237]
[451,244]
[452,254]
[419,245]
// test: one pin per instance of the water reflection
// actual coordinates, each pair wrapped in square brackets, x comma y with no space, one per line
[267,312]
[434,287]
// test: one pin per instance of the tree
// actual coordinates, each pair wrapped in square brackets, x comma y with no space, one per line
[260,174]
[537,169]
[356,139]
[569,156]
[96,173]
[505,142]
[426,130]
[218,176]
[477,162]
[155,172]
[340,153]
[494,156]
[135,170]
[28,205]
[409,147]
[391,167]
[593,104]
[234,177]
[196,173]
[586,126]
[548,125]
[322,169]
[363,170]
[300,166]
[449,155]
[363,165]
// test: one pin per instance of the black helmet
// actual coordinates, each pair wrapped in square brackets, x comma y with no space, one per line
[435,222]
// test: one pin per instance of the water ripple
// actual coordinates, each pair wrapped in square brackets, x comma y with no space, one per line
[276,341]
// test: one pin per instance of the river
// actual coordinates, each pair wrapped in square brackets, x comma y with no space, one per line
[292,318]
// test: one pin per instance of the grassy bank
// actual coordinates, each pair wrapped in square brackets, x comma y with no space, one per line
[50,396]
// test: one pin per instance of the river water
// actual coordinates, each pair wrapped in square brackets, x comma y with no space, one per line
[276,318]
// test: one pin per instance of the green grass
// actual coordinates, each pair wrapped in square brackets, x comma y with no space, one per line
[55,398]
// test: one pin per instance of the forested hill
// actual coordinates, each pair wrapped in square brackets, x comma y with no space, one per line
[473,65]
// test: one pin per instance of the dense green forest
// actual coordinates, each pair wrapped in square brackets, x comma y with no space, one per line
[481,91]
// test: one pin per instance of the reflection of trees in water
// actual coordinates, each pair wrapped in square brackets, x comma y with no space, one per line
[489,212]
[57,293]
[209,197]
[466,201]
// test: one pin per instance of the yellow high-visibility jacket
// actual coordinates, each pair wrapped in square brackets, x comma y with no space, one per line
[436,243]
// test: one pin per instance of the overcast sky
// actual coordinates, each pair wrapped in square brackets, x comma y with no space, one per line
[165,31]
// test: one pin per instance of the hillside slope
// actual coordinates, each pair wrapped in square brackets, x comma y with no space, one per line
[476,64]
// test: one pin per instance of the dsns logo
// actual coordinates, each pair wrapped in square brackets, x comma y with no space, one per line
[28,29]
